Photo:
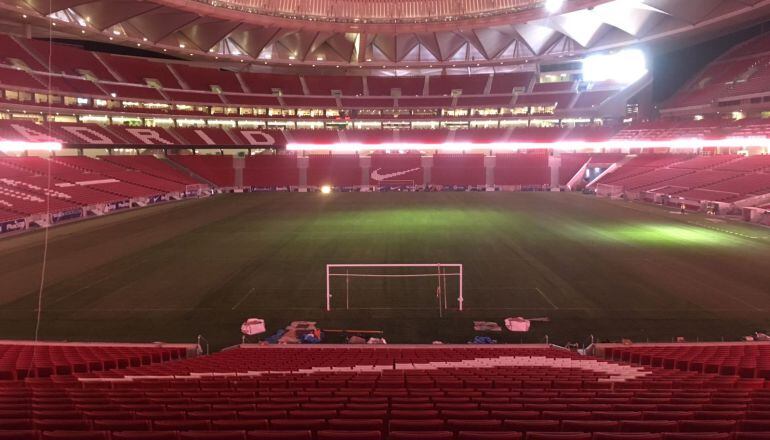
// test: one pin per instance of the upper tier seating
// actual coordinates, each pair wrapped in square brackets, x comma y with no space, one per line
[505,83]
[404,392]
[567,86]
[384,85]
[467,84]
[324,85]
[76,72]
[265,83]
[138,70]
[69,60]
[744,70]
[199,78]
[12,50]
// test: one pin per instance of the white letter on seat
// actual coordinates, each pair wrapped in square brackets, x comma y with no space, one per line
[250,137]
[88,135]
[148,136]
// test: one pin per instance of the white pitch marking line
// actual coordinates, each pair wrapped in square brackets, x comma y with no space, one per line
[555,307]
[244,298]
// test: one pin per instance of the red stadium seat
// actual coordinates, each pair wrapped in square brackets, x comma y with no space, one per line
[356,424]
[74,435]
[627,436]
[141,435]
[696,436]
[559,436]
[707,425]
[122,425]
[484,435]
[349,435]
[421,435]
[239,425]
[19,435]
[219,435]
[279,435]
[648,426]
[532,425]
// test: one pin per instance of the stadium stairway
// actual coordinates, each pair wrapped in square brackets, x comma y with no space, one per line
[395,392]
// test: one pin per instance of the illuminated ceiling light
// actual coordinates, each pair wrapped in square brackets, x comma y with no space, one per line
[326,189]
[116,32]
[553,6]
[368,60]
[23,15]
[53,24]
[82,32]
[291,57]
[319,58]
[139,44]
[111,38]
[625,67]
[182,45]
[674,144]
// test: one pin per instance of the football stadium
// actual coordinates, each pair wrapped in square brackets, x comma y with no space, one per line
[384,219]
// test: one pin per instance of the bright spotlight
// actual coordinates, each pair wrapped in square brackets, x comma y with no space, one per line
[624,67]
[553,6]
[17,146]
[326,189]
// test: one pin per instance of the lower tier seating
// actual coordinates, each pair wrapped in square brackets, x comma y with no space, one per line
[396,392]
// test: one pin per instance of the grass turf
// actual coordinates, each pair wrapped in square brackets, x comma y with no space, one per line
[611,269]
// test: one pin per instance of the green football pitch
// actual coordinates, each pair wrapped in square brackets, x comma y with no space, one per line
[591,266]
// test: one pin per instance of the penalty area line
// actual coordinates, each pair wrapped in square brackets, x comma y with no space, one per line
[555,307]
[244,298]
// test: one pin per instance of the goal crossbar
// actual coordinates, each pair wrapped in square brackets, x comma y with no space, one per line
[439,266]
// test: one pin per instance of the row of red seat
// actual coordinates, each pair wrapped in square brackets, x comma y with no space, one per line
[76,182]
[741,360]
[714,178]
[369,435]
[392,392]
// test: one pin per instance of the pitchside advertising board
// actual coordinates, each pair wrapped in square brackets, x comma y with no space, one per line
[12,225]
[95,135]
[66,215]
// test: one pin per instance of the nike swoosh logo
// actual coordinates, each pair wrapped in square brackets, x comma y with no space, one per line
[379,177]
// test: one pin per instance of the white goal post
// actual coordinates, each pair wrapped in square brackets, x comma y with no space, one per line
[440,271]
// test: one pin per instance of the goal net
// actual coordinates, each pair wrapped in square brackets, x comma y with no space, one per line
[394,286]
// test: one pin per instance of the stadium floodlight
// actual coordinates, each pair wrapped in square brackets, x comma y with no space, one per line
[622,144]
[553,6]
[326,189]
[19,146]
[625,67]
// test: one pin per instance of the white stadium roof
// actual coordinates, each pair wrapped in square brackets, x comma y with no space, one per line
[395,34]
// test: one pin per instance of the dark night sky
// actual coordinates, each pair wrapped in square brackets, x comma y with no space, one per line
[671,70]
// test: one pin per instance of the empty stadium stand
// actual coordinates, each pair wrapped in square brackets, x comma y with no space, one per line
[719,178]
[675,391]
